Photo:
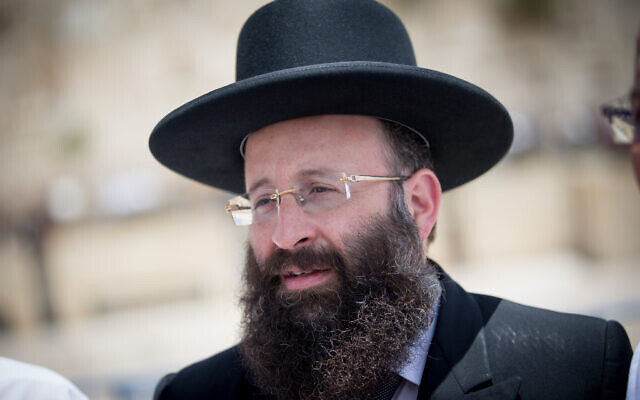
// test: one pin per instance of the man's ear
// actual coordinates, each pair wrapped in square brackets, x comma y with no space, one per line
[422,193]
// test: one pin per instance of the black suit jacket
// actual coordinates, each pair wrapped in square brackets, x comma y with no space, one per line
[483,348]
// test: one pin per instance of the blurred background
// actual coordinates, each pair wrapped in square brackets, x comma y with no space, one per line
[115,270]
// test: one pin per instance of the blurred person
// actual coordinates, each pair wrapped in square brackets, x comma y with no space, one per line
[344,147]
[22,381]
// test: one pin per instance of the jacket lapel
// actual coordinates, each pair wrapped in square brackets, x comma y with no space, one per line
[458,363]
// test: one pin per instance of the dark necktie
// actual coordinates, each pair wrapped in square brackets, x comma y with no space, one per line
[387,389]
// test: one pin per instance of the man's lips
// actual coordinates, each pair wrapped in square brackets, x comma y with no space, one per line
[295,278]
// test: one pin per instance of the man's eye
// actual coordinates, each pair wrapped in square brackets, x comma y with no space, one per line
[319,189]
[265,201]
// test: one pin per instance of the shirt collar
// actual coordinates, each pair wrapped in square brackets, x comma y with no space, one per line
[414,366]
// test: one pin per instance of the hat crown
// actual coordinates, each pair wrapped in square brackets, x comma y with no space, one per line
[294,33]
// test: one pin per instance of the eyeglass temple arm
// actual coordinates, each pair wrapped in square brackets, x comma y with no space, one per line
[365,178]
[234,207]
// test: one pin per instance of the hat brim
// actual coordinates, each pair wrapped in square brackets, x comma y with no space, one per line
[468,130]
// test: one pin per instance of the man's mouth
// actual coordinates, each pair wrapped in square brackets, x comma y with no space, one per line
[295,278]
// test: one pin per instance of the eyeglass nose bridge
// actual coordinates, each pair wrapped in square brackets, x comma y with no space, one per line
[277,196]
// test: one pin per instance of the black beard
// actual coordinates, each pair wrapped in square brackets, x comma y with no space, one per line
[341,341]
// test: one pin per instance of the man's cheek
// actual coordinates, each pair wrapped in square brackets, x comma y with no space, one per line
[261,248]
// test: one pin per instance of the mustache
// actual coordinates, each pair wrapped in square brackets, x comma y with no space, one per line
[306,259]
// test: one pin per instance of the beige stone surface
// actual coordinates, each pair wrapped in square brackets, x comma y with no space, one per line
[20,299]
[98,267]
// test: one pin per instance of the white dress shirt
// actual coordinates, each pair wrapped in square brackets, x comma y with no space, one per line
[411,372]
[22,381]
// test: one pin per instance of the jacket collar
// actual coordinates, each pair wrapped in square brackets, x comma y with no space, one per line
[458,362]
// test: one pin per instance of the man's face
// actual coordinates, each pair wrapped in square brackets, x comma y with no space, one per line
[282,155]
[340,330]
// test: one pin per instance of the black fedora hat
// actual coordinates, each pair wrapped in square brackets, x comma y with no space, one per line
[300,58]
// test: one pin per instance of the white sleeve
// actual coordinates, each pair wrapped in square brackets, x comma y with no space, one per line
[22,381]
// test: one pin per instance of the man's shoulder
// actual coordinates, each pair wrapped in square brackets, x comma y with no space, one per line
[219,376]
[531,340]
[484,341]
[518,322]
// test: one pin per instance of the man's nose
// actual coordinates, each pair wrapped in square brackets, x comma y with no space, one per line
[293,226]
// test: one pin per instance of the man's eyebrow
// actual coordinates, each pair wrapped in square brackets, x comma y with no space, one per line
[305,173]
[260,182]
[313,172]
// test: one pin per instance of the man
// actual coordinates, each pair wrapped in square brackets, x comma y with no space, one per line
[344,146]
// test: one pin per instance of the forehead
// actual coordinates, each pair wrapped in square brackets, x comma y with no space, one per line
[339,143]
